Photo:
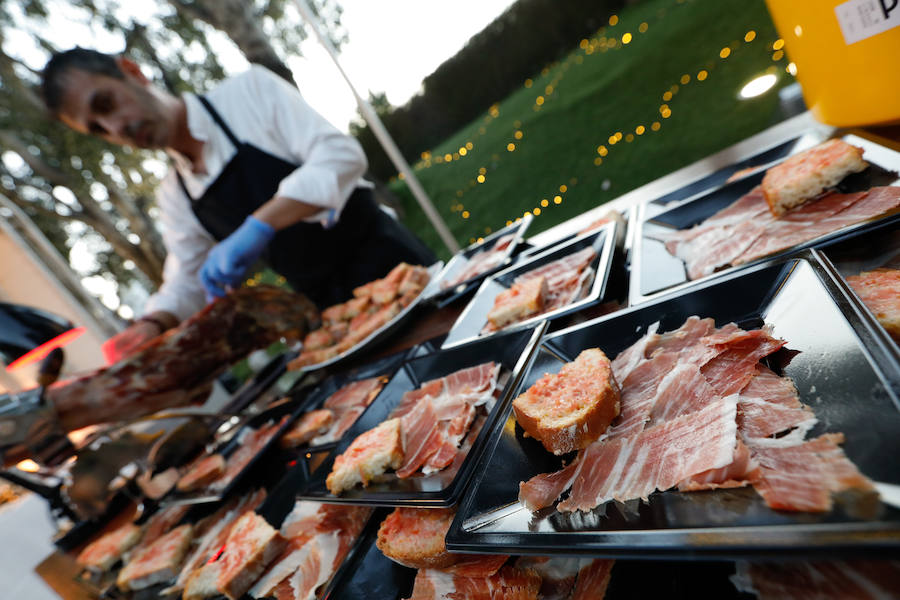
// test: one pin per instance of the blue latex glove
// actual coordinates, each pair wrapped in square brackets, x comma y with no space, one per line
[230,259]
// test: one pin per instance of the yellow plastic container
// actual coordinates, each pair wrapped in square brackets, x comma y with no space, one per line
[847,55]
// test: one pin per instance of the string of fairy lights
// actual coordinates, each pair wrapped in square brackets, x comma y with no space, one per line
[606,39]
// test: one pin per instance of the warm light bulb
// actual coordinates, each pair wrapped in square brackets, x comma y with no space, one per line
[758,86]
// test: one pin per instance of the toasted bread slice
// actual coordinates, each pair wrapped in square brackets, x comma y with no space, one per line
[158,562]
[318,339]
[202,583]
[568,410]
[523,299]
[414,281]
[388,288]
[202,473]
[306,428]
[414,537]
[252,544]
[807,174]
[369,455]
[105,551]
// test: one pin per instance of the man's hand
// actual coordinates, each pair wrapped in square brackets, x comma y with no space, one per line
[230,259]
[124,344]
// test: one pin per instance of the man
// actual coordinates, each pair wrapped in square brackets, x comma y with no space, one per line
[257,173]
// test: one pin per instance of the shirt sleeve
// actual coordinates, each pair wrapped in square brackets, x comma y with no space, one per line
[332,162]
[187,245]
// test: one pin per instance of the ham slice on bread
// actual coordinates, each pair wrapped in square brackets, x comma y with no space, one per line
[251,545]
[105,551]
[157,563]
[370,455]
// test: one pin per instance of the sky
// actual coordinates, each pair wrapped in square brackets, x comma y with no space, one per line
[393,45]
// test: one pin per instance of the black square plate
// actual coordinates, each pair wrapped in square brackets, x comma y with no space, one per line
[459,261]
[833,372]
[444,487]
[654,271]
[471,321]
[871,249]
[385,330]
[316,397]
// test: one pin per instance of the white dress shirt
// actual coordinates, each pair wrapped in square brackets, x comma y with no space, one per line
[266,111]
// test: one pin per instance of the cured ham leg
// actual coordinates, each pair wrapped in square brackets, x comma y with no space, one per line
[178,367]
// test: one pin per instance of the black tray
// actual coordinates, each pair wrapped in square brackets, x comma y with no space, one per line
[459,261]
[752,164]
[444,487]
[876,247]
[834,373]
[315,398]
[471,321]
[386,330]
[654,271]
[291,408]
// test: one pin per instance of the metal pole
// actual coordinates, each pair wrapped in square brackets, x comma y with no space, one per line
[383,136]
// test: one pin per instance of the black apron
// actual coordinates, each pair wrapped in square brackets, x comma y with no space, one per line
[325,264]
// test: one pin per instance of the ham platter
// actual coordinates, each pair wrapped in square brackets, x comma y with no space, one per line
[781,327]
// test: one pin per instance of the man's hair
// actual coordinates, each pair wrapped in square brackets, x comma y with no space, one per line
[53,85]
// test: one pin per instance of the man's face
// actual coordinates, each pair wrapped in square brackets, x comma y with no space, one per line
[122,111]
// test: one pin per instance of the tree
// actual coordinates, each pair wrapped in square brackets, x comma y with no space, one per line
[80,190]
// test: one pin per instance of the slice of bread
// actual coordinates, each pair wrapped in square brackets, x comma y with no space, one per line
[806,175]
[318,339]
[313,423]
[252,544]
[202,473]
[524,298]
[103,552]
[369,455]
[414,281]
[414,537]
[158,562]
[202,583]
[387,288]
[568,410]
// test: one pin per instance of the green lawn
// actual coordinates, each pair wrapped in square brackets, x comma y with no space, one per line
[606,87]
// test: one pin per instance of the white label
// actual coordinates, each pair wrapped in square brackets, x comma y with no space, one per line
[861,19]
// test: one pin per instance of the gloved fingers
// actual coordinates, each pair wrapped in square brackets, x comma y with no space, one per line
[211,280]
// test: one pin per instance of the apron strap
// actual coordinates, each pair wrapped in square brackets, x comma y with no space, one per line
[221,123]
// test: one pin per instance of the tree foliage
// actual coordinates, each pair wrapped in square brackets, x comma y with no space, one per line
[83,191]
[515,46]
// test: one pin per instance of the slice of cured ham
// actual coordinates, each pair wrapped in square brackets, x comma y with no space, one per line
[508,583]
[742,470]
[802,477]
[633,467]
[346,406]
[655,459]
[880,292]
[747,231]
